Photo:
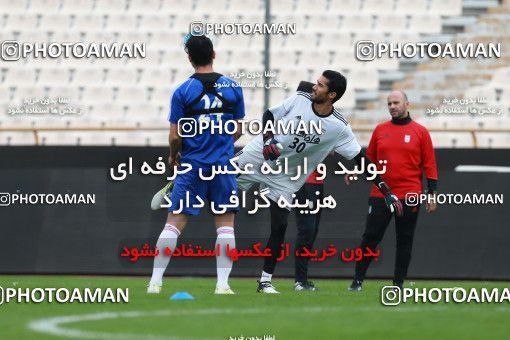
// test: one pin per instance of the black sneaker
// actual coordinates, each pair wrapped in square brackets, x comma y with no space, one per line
[355,286]
[306,285]
[266,287]
[398,284]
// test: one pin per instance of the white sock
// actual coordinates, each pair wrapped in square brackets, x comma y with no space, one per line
[224,262]
[167,238]
[266,277]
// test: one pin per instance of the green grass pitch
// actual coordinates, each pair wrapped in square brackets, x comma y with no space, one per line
[331,313]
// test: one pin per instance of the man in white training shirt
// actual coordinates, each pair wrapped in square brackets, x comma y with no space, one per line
[336,135]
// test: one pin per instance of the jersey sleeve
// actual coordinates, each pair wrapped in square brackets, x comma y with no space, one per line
[372,147]
[428,156]
[176,107]
[282,109]
[239,107]
[347,145]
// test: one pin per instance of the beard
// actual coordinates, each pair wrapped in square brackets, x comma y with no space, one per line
[318,100]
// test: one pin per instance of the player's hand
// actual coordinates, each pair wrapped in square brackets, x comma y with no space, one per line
[430,206]
[394,204]
[271,149]
[174,161]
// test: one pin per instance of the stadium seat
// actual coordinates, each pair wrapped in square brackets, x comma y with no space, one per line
[283,6]
[251,16]
[88,76]
[21,22]
[411,7]
[404,37]
[425,24]
[253,95]
[174,7]
[144,110]
[482,92]
[17,76]
[5,95]
[391,23]
[323,23]
[363,78]
[72,36]
[121,22]
[134,37]
[344,7]
[253,7]
[276,96]
[493,140]
[15,6]
[504,97]
[27,92]
[121,76]
[17,138]
[53,76]
[307,40]
[109,111]
[292,76]
[166,40]
[501,77]
[44,6]
[182,73]
[312,6]
[378,7]
[77,6]
[131,95]
[155,23]
[145,7]
[97,95]
[315,57]
[356,23]
[88,23]
[110,6]
[335,40]
[130,138]
[348,100]
[70,93]
[93,138]
[33,36]
[157,138]
[281,59]
[205,7]
[254,42]
[181,23]
[246,59]
[13,121]
[446,7]
[156,77]
[55,22]
[161,96]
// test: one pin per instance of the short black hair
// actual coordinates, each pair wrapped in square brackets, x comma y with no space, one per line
[336,83]
[200,49]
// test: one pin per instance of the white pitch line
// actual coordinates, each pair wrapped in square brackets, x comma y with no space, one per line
[53,326]
[482,168]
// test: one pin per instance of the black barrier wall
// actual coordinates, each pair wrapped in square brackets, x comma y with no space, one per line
[457,241]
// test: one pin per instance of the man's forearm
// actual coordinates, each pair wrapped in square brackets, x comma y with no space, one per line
[266,118]
[239,131]
[378,181]
[175,146]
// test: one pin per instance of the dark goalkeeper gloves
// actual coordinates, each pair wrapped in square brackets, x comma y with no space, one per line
[392,201]
[271,149]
